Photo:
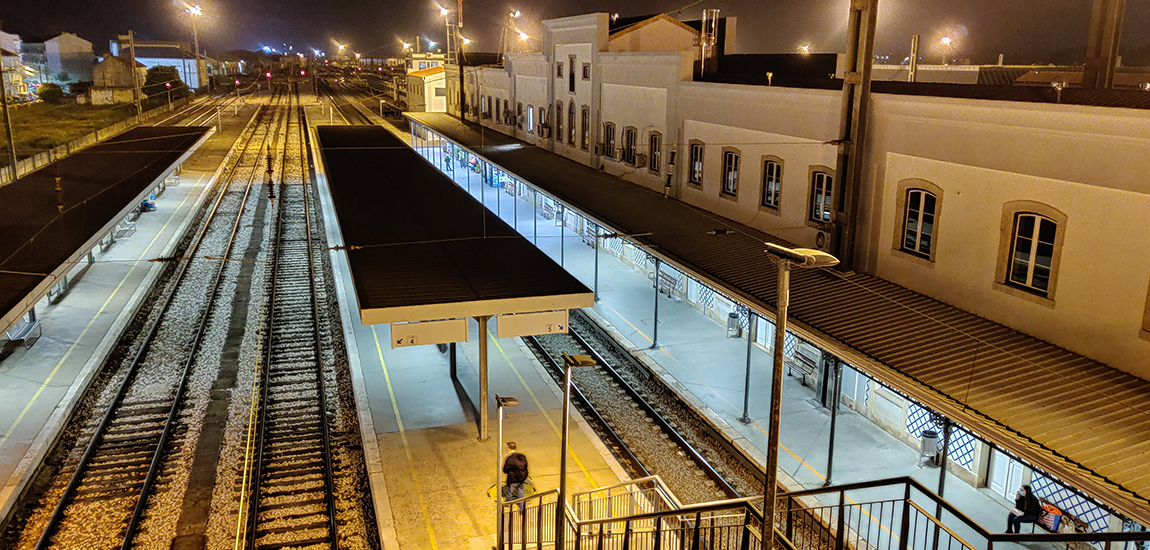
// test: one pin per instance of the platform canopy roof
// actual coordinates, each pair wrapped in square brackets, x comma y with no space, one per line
[420,248]
[1074,417]
[43,231]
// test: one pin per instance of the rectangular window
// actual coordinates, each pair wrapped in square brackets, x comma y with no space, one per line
[530,118]
[559,121]
[821,189]
[630,144]
[655,148]
[586,139]
[1032,252]
[586,71]
[519,115]
[695,175]
[608,140]
[730,173]
[559,69]
[772,183]
[571,124]
[571,74]
[918,227]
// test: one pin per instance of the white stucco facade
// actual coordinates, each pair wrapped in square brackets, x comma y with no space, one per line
[985,163]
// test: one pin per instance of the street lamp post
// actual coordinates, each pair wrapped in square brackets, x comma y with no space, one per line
[801,257]
[500,403]
[196,12]
[569,363]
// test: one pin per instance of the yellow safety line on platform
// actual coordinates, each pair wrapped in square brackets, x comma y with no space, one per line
[539,405]
[641,333]
[76,342]
[403,437]
[756,424]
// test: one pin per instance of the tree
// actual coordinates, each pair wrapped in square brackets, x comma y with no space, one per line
[156,84]
[51,93]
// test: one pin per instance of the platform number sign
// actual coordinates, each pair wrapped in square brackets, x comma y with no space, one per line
[527,324]
[424,333]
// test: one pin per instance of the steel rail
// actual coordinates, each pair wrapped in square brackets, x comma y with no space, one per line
[265,376]
[73,484]
[628,454]
[674,434]
[174,411]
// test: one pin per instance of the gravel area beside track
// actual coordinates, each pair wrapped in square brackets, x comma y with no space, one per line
[650,444]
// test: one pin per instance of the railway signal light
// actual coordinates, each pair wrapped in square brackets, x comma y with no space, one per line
[303,73]
[168,85]
[237,83]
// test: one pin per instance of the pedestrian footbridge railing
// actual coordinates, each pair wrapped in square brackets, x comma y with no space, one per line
[888,514]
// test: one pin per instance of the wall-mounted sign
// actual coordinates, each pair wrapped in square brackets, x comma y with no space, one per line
[428,332]
[530,324]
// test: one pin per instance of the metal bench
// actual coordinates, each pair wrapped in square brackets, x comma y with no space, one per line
[805,365]
[126,229]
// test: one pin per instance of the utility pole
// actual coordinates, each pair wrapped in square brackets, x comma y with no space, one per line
[7,122]
[135,83]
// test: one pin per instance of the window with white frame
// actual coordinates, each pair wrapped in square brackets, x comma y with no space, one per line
[559,121]
[630,144]
[1032,252]
[585,139]
[772,183]
[608,139]
[530,118]
[655,152]
[919,222]
[730,173]
[695,173]
[821,196]
[571,124]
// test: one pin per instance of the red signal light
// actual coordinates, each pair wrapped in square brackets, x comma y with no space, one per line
[237,83]
[168,84]
[302,73]
[269,75]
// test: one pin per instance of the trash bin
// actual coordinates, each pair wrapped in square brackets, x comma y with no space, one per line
[930,446]
[733,328]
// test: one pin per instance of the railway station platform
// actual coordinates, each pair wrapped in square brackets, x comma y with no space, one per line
[697,355]
[40,384]
[430,473]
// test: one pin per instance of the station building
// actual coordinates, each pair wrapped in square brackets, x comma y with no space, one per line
[1015,207]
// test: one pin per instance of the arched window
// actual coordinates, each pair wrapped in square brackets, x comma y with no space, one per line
[772,182]
[608,140]
[730,172]
[695,171]
[530,118]
[821,196]
[919,222]
[1032,252]
[559,120]
[655,152]
[571,123]
[630,144]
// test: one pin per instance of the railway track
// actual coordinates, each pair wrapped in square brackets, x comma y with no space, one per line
[122,459]
[292,501]
[648,428]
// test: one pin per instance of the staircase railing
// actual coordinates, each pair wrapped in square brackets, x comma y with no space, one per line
[889,514]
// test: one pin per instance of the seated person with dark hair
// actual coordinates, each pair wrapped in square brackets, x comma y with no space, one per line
[1026,510]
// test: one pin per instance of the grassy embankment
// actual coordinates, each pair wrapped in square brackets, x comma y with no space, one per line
[41,126]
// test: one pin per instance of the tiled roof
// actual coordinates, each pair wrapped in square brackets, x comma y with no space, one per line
[1074,417]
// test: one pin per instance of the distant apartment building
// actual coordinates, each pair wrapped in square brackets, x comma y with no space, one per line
[61,57]
[13,70]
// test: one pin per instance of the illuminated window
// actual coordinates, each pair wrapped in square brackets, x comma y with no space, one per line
[655,152]
[695,172]
[730,173]
[772,183]
[1032,252]
[821,197]
[919,222]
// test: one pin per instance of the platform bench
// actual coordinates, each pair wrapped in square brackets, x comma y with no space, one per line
[805,365]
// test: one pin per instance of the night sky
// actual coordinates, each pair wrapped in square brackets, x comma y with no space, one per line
[1026,31]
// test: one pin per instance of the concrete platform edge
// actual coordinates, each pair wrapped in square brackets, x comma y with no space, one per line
[385,522]
[26,470]
[717,422]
